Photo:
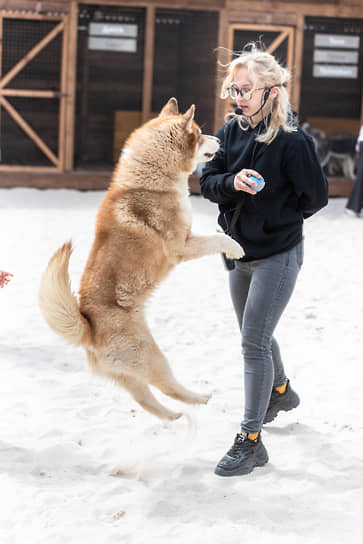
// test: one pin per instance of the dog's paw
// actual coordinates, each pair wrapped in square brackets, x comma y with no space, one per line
[190,397]
[203,399]
[172,416]
[232,249]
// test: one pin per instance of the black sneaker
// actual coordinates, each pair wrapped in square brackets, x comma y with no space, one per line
[281,401]
[243,457]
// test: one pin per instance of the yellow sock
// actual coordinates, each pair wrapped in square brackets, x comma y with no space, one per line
[253,436]
[282,388]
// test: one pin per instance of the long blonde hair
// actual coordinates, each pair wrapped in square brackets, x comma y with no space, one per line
[264,66]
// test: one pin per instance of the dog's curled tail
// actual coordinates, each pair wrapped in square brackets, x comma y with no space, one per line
[58,303]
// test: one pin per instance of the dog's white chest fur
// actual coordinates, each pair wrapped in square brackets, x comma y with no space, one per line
[186,209]
[184,200]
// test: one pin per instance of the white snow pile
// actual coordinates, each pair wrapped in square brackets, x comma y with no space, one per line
[81,462]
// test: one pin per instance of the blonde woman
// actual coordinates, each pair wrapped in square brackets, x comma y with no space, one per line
[264,141]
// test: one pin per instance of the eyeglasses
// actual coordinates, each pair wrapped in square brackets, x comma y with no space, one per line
[247,95]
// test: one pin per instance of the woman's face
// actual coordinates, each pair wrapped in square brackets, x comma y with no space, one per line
[242,82]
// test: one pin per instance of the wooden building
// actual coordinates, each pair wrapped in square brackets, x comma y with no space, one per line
[77,76]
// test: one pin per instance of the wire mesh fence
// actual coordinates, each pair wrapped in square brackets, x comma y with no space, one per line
[41,73]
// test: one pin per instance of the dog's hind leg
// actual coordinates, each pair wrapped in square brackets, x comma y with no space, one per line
[142,394]
[138,390]
[162,377]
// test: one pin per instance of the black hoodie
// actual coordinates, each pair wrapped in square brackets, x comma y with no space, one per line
[270,221]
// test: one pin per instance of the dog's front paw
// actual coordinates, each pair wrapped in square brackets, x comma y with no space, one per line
[232,249]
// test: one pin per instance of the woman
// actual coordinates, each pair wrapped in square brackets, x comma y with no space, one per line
[262,140]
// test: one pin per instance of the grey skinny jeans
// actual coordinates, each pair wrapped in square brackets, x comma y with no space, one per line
[260,291]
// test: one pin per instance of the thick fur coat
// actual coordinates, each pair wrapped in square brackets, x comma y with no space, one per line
[143,230]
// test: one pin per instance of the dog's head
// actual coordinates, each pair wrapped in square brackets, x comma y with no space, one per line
[166,148]
[186,136]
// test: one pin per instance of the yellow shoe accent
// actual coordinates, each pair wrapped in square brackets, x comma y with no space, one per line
[253,436]
[282,388]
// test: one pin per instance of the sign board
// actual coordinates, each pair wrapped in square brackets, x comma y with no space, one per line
[336,57]
[123,45]
[336,40]
[112,29]
[335,71]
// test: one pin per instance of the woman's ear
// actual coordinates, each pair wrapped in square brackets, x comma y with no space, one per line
[275,91]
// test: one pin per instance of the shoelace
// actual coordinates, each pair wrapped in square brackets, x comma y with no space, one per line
[240,442]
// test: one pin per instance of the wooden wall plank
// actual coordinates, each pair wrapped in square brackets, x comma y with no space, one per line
[290,57]
[148,64]
[270,28]
[70,86]
[45,6]
[262,17]
[25,169]
[1,45]
[30,93]
[63,92]
[297,71]
[49,178]
[31,15]
[205,5]
[341,8]
[222,59]
[335,8]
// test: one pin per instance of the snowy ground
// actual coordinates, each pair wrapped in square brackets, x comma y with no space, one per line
[68,439]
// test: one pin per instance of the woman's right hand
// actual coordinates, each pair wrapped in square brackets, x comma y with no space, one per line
[242,178]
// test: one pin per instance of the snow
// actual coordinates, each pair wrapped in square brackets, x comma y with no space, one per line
[81,462]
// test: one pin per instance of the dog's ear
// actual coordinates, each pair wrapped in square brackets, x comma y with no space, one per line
[170,108]
[188,117]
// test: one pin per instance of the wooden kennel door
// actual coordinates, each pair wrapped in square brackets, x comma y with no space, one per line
[26,86]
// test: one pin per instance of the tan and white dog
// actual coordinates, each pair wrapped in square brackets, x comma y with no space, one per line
[143,230]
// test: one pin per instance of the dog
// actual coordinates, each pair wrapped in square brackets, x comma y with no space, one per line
[143,230]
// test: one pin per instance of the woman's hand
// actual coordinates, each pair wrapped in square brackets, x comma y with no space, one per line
[242,178]
[4,277]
